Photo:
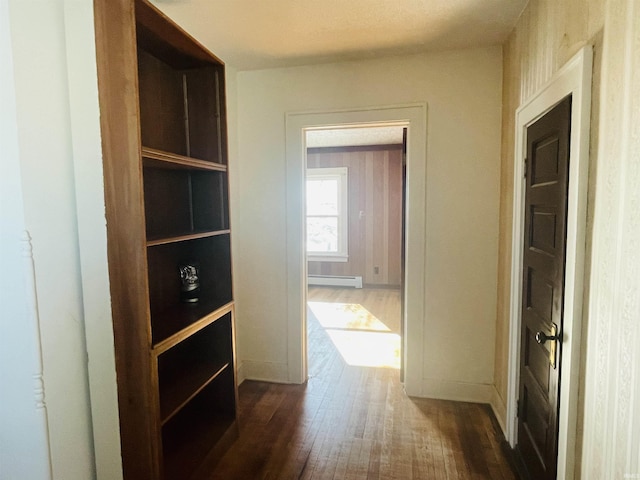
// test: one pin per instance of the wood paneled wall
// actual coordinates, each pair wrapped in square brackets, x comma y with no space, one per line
[375,211]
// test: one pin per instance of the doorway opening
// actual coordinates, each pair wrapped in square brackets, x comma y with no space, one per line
[354,192]
[414,117]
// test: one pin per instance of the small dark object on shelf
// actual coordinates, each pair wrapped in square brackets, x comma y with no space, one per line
[190,283]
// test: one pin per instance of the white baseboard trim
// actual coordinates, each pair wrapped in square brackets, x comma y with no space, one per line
[263,371]
[335,280]
[457,391]
[240,373]
[499,408]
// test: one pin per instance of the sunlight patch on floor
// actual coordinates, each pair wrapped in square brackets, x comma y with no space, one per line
[360,337]
[346,315]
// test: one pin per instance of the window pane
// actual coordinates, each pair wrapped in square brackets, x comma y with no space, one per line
[322,234]
[322,197]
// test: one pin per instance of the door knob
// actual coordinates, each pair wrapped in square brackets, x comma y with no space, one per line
[542,337]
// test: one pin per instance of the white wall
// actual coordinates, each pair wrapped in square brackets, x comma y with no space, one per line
[84,111]
[24,434]
[54,148]
[463,92]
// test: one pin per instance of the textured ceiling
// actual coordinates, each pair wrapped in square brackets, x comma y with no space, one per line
[254,34]
[342,137]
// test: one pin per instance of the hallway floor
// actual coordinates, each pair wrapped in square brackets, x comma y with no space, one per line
[354,422]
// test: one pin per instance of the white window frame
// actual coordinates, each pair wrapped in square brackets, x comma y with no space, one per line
[342,175]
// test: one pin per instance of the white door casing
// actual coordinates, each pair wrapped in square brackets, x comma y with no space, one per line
[414,116]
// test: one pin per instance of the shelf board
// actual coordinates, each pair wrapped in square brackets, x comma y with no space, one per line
[176,396]
[193,317]
[158,158]
[190,449]
[170,41]
[184,237]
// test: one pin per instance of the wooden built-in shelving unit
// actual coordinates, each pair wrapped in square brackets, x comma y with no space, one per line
[163,119]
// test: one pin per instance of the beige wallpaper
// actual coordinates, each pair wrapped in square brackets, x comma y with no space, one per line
[546,36]
[548,33]
[611,447]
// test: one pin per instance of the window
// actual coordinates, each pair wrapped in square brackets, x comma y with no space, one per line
[327,214]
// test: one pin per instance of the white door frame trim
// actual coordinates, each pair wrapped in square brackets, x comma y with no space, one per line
[573,79]
[415,117]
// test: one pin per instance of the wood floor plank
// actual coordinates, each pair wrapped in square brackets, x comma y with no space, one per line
[356,423]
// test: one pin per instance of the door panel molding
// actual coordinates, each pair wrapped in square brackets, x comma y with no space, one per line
[573,79]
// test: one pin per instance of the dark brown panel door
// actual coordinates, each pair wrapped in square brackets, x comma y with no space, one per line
[543,290]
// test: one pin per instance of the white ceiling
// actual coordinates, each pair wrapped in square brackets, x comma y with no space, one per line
[255,34]
[354,136]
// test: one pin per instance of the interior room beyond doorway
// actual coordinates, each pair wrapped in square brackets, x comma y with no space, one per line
[354,209]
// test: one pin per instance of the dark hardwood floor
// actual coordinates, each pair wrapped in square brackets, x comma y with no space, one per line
[350,422]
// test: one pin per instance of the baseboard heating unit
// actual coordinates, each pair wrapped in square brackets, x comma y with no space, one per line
[335,281]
